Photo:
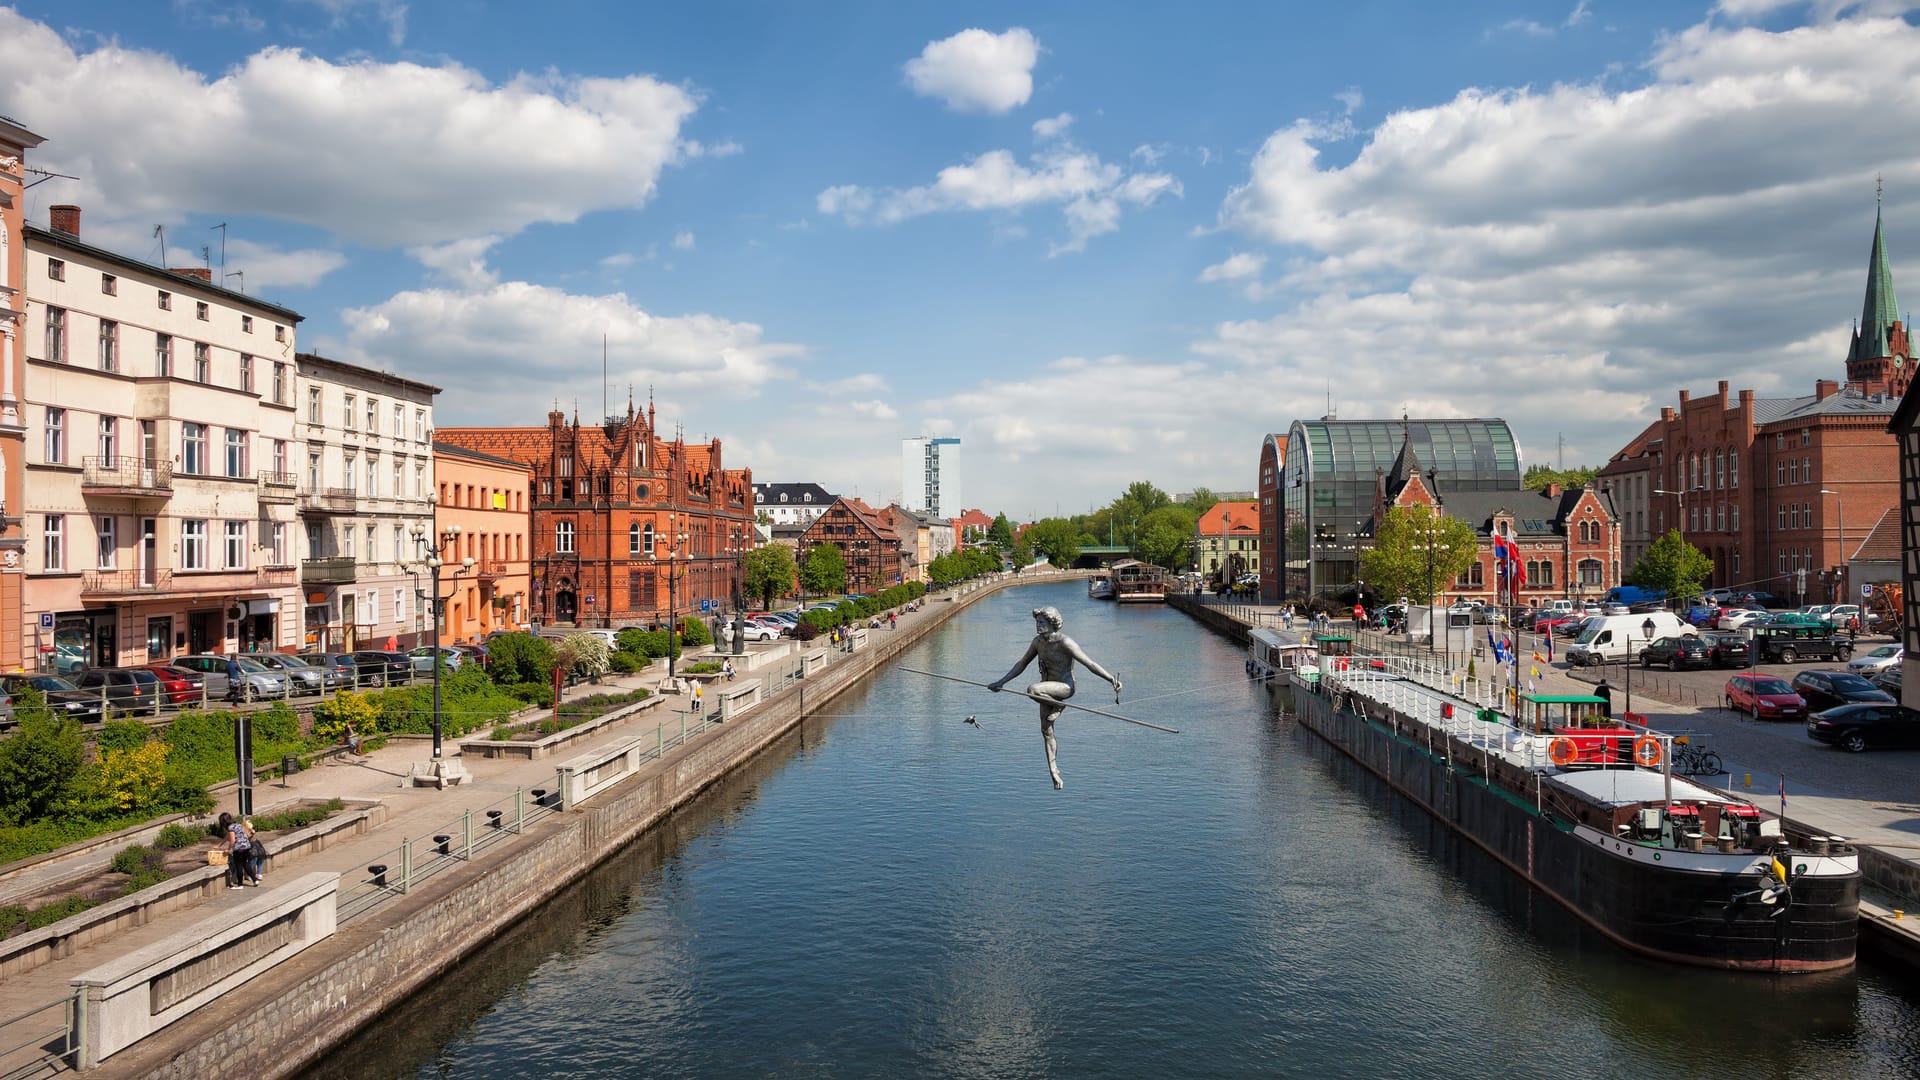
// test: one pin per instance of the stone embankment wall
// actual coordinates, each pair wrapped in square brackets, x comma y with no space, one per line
[285,1020]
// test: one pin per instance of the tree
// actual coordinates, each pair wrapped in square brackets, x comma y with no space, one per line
[1539,476]
[1162,534]
[520,658]
[1056,538]
[1674,565]
[1398,562]
[824,571]
[1201,501]
[1002,531]
[583,654]
[769,572]
[40,761]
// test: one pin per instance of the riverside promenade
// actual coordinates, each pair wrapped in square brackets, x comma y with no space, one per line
[1871,799]
[398,930]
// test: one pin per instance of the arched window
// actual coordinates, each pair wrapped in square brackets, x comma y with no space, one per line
[1719,467]
[1546,573]
[1590,571]
[633,538]
[1733,467]
[646,538]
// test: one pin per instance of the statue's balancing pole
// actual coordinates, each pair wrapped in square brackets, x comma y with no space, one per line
[1047,701]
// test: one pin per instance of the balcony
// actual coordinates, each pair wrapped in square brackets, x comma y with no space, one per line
[278,487]
[125,582]
[492,569]
[127,477]
[102,584]
[333,570]
[329,500]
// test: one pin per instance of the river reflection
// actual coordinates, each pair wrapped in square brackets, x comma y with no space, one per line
[895,893]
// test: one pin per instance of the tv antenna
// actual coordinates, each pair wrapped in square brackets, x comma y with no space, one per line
[160,231]
[223,249]
[241,274]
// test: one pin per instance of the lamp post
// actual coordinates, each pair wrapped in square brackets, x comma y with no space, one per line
[444,538]
[674,540]
[1840,527]
[1646,635]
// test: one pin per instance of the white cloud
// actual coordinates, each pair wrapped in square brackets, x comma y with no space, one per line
[1092,193]
[872,410]
[1052,127]
[462,262]
[266,266]
[1533,28]
[1579,253]
[1824,10]
[1239,266]
[497,347]
[977,71]
[683,240]
[1149,154]
[1350,99]
[619,260]
[384,154]
[390,13]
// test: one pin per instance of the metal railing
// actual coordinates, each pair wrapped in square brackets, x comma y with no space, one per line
[335,499]
[42,1040]
[329,570]
[130,473]
[394,872]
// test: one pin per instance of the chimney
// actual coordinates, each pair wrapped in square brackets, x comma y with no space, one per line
[1685,396]
[65,219]
[1554,489]
[1746,401]
[198,273]
[1666,412]
[1825,388]
[1723,392]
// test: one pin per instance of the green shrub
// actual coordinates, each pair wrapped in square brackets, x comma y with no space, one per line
[122,735]
[184,796]
[520,658]
[14,917]
[704,667]
[49,834]
[276,724]
[40,761]
[502,733]
[332,715]
[176,836]
[143,879]
[295,819]
[693,632]
[136,857]
[540,694]
[626,663]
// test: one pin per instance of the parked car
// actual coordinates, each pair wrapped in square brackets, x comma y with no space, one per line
[212,671]
[422,658]
[1880,659]
[475,653]
[1676,651]
[1765,697]
[1831,689]
[1842,614]
[1716,596]
[253,680]
[61,694]
[1727,650]
[1860,727]
[1616,609]
[1787,643]
[1888,680]
[1758,597]
[339,669]
[178,685]
[1645,607]
[1736,618]
[302,677]
[381,668]
[1703,614]
[128,691]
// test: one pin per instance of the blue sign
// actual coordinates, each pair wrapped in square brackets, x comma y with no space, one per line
[46,620]
[706,606]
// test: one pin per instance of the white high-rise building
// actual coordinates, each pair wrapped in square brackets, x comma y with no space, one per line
[930,476]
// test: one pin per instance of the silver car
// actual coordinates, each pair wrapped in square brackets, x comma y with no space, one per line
[304,677]
[247,678]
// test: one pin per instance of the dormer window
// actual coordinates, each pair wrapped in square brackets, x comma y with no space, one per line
[808,497]
[783,496]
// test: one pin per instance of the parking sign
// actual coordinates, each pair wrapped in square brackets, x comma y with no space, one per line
[46,620]
[1866,589]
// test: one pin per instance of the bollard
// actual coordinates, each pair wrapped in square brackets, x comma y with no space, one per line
[379,872]
[539,796]
[443,843]
[493,818]
[406,865]
[1749,781]
[1899,914]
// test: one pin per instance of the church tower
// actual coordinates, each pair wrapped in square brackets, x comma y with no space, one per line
[1880,359]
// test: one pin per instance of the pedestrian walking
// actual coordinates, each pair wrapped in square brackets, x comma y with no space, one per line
[256,853]
[893,620]
[237,845]
[1605,694]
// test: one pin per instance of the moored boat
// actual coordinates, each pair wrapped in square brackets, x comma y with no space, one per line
[1100,587]
[1588,810]
[1136,582]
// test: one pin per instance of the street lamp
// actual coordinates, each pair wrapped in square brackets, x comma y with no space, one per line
[1646,635]
[674,540]
[1840,523]
[446,538]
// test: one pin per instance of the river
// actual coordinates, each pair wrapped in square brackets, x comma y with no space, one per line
[892,892]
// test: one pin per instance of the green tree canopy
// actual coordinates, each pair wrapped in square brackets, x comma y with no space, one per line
[1002,531]
[824,570]
[1674,565]
[769,572]
[520,658]
[40,761]
[1162,535]
[1056,538]
[1398,565]
[1539,476]
[1201,501]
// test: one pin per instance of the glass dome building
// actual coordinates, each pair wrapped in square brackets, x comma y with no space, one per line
[1332,473]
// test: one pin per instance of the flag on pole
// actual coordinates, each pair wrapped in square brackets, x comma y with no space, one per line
[1549,645]
[1783,794]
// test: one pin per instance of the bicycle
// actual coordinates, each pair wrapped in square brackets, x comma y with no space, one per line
[1691,760]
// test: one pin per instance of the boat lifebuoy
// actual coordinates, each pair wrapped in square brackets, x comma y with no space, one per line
[1646,751]
[1560,751]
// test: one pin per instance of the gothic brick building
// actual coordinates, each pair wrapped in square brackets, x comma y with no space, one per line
[867,541]
[627,527]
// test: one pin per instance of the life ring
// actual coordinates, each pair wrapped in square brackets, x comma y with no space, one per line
[1561,751]
[1646,751]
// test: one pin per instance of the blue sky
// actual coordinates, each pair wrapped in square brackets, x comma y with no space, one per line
[1099,243]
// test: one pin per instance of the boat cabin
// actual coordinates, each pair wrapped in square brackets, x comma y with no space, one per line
[1272,653]
[1632,807]
[1583,735]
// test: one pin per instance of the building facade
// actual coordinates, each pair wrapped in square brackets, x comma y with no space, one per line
[1273,467]
[485,497]
[923,538]
[970,526]
[160,481]
[1630,478]
[1227,541]
[15,141]
[366,480]
[1905,428]
[791,506]
[867,542]
[1326,493]
[626,528]
[930,476]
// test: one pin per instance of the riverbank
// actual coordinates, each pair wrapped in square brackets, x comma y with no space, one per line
[1882,829]
[397,934]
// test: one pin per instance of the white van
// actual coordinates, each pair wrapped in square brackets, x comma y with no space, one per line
[1604,638]
[1559,607]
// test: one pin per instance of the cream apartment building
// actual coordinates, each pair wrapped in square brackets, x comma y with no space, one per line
[160,492]
[366,479]
[15,141]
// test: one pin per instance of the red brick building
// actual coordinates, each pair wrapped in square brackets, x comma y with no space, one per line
[1569,539]
[867,543]
[626,525]
[1777,491]
[978,521]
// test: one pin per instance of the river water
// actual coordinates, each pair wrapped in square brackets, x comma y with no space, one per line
[892,892]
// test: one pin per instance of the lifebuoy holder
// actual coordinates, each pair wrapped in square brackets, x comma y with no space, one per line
[1561,751]
[1646,751]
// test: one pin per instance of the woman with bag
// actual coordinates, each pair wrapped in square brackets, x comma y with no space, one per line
[256,852]
[237,845]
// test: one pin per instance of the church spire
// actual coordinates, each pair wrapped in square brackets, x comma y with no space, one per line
[1881,310]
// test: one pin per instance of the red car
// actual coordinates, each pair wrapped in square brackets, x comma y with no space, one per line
[178,686]
[1765,697]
